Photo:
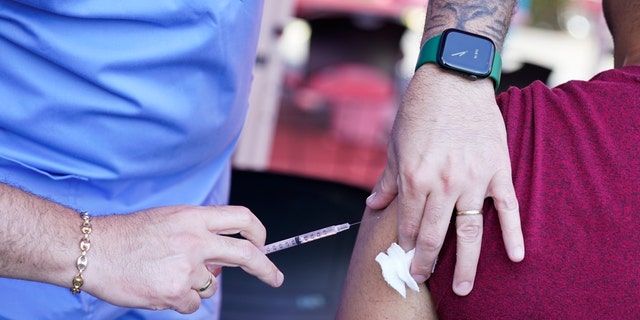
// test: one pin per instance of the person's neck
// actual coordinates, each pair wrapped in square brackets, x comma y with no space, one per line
[628,53]
[632,59]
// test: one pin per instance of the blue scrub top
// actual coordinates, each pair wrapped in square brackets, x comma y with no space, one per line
[113,106]
[132,104]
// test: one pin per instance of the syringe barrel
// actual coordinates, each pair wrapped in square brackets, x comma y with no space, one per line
[281,245]
[317,234]
[304,238]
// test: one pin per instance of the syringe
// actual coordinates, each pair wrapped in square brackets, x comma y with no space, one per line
[306,237]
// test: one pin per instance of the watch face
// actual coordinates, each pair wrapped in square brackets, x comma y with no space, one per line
[466,53]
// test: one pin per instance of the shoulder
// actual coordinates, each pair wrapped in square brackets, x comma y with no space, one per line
[610,90]
[607,82]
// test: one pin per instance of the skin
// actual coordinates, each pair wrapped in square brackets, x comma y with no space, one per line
[152,259]
[448,151]
[366,295]
[624,29]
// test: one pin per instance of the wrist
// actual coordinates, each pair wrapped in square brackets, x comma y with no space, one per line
[463,53]
[434,93]
[105,238]
[434,76]
[64,255]
[82,261]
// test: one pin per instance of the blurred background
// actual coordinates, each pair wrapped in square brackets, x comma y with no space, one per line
[328,79]
[330,73]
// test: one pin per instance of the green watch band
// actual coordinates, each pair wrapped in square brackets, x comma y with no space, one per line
[431,49]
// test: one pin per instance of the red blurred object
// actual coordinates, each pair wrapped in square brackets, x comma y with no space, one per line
[362,100]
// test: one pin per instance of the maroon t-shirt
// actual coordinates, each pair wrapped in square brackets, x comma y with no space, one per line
[575,153]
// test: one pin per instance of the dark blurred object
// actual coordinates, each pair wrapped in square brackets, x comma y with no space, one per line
[389,8]
[314,272]
[524,76]
[369,40]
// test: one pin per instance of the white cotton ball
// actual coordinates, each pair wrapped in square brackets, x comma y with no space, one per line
[395,265]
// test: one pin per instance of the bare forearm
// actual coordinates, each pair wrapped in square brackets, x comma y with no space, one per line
[38,238]
[490,18]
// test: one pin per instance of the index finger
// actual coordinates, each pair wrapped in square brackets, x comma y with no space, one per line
[229,220]
[435,223]
[411,206]
[232,252]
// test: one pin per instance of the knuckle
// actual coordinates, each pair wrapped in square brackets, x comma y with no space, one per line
[243,216]
[175,291]
[245,253]
[408,229]
[448,175]
[431,242]
[384,185]
[458,178]
[476,173]
[507,202]
[422,269]
[413,180]
[190,306]
[469,233]
[436,212]
[172,302]
[452,180]
[182,301]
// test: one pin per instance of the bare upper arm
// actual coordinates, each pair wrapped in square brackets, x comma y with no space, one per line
[365,294]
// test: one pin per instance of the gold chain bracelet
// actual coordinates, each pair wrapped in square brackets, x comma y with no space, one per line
[81,263]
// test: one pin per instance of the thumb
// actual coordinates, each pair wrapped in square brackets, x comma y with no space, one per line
[384,191]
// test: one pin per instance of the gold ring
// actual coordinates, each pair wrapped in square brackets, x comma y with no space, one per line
[207,285]
[468,212]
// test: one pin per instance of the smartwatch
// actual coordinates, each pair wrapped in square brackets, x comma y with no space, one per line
[465,53]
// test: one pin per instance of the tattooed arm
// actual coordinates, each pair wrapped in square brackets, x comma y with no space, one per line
[448,151]
[488,18]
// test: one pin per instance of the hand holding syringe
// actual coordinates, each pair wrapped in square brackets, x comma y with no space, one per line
[306,237]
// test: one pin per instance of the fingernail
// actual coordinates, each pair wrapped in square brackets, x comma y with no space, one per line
[370,197]
[463,288]
[419,278]
[518,253]
[279,278]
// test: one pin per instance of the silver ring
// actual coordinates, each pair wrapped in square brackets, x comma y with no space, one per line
[468,212]
[207,285]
